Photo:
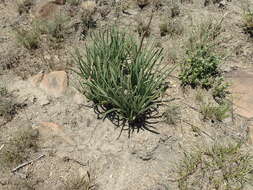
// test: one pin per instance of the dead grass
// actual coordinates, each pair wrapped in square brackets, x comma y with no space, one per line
[77,182]
[172,114]
[24,6]
[28,38]
[220,167]
[213,112]
[248,22]
[19,147]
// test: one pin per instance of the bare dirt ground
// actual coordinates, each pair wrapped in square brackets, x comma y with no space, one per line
[75,143]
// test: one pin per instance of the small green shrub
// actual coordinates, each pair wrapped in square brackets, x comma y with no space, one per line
[30,39]
[123,80]
[248,22]
[217,167]
[201,68]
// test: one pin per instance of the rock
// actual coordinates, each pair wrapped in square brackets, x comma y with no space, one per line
[242,92]
[53,84]
[50,130]
[46,10]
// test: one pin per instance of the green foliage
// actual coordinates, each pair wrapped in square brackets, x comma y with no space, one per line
[30,39]
[200,68]
[248,22]
[217,167]
[123,80]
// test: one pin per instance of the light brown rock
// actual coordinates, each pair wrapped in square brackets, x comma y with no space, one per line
[242,91]
[54,83]
[46,10]
[51,130]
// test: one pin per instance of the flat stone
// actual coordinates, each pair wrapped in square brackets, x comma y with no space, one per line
[54,83]
[46,10]
[50,130]
[242,92]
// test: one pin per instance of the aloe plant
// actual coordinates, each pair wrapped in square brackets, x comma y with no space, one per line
[124,80]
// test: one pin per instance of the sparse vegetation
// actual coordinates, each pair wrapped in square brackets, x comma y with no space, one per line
[201,67]
[215,112]
[248,22]
[79,183]
[29,39]
[56,29]
[172,114]
[218,167]
[122,79]
[173,28]
[19,147]
[74,2]
[24,6]
[220,90]
[143,28]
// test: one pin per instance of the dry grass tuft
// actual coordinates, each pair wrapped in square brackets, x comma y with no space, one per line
[19,147]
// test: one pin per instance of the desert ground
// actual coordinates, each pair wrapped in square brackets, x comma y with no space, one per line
[51,134]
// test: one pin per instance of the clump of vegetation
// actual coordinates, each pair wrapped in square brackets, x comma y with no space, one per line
[220,90]
[79,183]
[143,28]
[124,80]
[218,167]
[172,114]
[24,6]
[56,29]
[172,27]
[29,39]
[142,3]
[8,105]
[201,66]
[74,2]
[175,10]
[19,147]
[215,112]
[248,22]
